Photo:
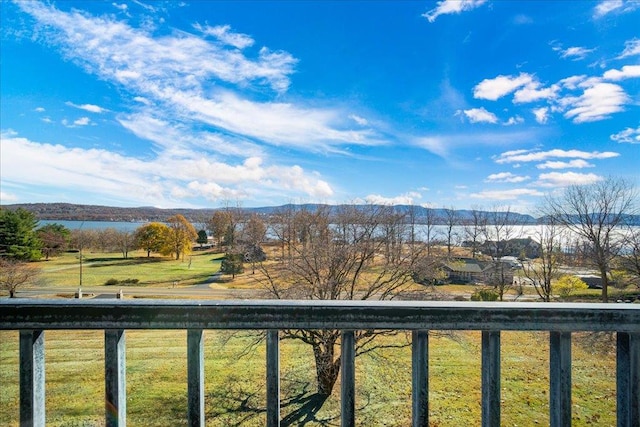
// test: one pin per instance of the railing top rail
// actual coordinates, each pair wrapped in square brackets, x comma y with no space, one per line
[316,314]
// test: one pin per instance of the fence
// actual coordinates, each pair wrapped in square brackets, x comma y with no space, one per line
[33,317]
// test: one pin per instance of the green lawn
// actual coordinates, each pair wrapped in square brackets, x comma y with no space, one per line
[97,268]
[235,383]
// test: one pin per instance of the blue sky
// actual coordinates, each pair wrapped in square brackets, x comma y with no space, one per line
[471,103]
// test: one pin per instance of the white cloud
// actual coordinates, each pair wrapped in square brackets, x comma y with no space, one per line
[82,121]
[512,194]
[359,120]
[558,179]
[532,92]
[445,7]
[514,121]
[122,7]
[522,19]
[541,114]
[157,181]
[538,156]
[575,53]
[628,135]
[39,110]
[573,82]
[178,74]
[495,88]
[627,72]
[606,7]
[576,163]
[597,102]
[506,177]
[87,107]
[631,48]
[176,61]
[480,115]
[223,33]
[599,99]
[404,199]
[7,197]
[435,144]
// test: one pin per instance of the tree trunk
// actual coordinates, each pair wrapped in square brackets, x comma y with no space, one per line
[605,284]
[327,369]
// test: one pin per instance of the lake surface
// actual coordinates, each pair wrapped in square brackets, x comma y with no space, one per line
[95,225]
[438,232]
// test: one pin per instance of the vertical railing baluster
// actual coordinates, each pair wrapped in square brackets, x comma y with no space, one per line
[420,378]
[115,378]
[195,378]
[560,378]
[273,378]
[32,384]
[348,379]
[628,379]
[490,378]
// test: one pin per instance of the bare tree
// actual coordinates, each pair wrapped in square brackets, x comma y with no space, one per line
[281,225]
[254,232]
[430,223]
[542,272]
[630,260]
[499,229]
[473,229]
[341,256]
[451,221]
[595,213]
[15,274]
[125,242]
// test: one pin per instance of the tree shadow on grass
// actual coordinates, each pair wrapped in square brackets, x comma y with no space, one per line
[237,407]
[110,262]
[307,406]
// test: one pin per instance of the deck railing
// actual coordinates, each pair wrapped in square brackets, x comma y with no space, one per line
[33,317]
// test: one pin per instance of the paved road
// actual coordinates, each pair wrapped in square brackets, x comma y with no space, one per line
[198,291]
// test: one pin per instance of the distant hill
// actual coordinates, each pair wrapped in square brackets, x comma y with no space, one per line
[71,212]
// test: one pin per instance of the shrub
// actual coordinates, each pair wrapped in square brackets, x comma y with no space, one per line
[484,295]
[568,284]
[114,282]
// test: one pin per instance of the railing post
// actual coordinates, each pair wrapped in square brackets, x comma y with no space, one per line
[273,378]
[348,379]
[420,378]
[490,378]
[560,379]
[115,378]
[195,378]
[628,379]
[32,384]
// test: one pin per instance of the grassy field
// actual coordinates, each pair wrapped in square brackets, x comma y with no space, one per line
[235,377]
[97,268]
[235,381]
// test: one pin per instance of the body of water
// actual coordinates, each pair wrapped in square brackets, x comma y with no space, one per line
[95,225]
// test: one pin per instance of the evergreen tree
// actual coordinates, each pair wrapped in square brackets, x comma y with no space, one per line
[18,238]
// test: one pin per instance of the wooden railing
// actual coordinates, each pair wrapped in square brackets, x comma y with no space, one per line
[33,317]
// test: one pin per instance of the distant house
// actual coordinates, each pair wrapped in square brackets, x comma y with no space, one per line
[469,270]
[513,247]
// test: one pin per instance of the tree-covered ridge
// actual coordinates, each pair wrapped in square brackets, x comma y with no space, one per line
[71,212]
